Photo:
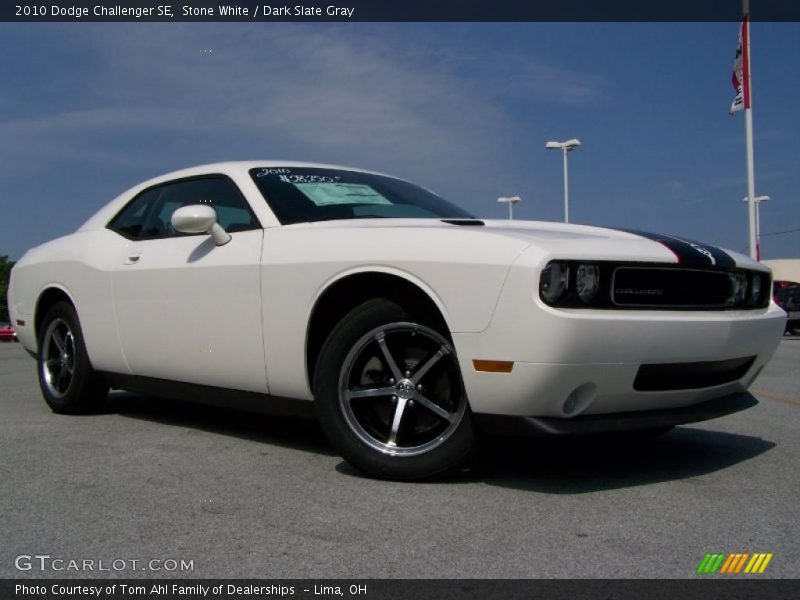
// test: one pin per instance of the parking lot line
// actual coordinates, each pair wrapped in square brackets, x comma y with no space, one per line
[776,397]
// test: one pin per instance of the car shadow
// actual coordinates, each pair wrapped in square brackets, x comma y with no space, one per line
[553,466]
[202,250]
[590,464]
[290,432]
[583,465]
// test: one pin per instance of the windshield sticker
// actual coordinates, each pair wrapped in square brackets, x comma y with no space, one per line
[265,172]
[308,178]
[329,193]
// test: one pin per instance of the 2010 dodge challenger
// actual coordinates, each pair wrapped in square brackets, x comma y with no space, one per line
[404,323]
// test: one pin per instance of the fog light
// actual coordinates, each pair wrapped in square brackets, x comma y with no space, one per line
[553,282]
[587,282]
[579,399]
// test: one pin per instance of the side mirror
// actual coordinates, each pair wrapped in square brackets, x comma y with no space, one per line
[200,218]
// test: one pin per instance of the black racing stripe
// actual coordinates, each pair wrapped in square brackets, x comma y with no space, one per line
[689,252]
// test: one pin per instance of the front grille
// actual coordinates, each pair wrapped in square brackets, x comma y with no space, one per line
[690,376]
[653,286]
[670,288]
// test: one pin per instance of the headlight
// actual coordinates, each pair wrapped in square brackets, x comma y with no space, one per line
[755,288]
[553,282]
[587,282]
[738,288]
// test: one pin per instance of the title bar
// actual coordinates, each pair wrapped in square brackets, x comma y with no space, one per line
[394,10]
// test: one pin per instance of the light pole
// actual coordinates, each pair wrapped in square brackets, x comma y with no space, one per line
[511,201]
[565,147]
[757,201]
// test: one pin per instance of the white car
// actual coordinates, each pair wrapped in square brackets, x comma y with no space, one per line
[404,323]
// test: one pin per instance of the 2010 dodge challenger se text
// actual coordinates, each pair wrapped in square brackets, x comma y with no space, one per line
[407,325]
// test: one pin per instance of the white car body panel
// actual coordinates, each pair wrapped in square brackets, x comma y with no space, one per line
[464,279]
[208,303]
[236,316]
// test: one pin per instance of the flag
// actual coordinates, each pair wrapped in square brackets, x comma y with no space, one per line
[741,72]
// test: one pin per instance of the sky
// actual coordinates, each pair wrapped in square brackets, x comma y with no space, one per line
[88,110]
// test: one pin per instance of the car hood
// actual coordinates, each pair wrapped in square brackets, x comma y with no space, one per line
[567,240]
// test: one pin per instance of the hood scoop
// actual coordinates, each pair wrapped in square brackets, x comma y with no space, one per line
[465,222]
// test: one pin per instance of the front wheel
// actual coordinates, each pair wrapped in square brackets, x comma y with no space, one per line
[390,397]
[66,377]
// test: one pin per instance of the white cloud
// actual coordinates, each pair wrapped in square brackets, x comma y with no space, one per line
[350,93]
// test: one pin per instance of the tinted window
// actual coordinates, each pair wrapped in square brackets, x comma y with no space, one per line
[232,212]
[793,298]
[301,194]
[129,222]
[149,215]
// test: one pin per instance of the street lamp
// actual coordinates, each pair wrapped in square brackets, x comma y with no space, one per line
[511,201]
[758,200]
[565,147]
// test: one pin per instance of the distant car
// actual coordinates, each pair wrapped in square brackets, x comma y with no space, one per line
[7,333]
[406,323]
[787,296]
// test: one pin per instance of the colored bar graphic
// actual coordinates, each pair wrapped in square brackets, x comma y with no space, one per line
[723,563]
[741,562]
[728,563]
[767,558]
[749,566]
[757,564]
[703,563]
[717,563]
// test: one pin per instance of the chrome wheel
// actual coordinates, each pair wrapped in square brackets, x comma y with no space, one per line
[58,358]
[400,389]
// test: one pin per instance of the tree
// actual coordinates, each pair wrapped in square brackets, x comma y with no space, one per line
[5,273]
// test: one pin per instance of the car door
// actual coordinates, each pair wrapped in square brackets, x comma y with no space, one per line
[186,309]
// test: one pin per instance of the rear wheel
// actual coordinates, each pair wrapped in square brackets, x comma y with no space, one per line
[390,397]
[68,382]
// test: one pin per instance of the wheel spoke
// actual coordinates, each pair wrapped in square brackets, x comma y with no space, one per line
[398,416]
[434,408]
[381,339]
[52,363]
[370,392]
[420,373]
[63,375]
[58,340]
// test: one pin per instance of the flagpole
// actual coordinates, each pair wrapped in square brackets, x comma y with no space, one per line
[748,132]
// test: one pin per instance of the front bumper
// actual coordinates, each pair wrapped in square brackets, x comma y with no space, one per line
[571,362]
[613,423]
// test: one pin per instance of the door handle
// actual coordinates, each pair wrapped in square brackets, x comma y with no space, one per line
[132,259]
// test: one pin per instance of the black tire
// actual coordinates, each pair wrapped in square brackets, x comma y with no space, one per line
[68,382]
[417,427]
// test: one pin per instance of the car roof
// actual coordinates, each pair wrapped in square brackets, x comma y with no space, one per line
[246,165]
[785,283]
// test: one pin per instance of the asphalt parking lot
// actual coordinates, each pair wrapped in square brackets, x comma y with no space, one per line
[254,496]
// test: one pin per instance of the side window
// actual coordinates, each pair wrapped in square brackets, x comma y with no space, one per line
[149,214]
[232,211]
[129,222]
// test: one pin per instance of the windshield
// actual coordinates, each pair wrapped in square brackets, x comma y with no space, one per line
[304,194]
